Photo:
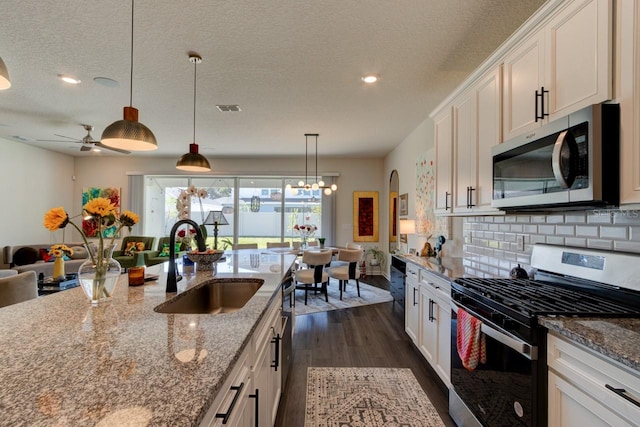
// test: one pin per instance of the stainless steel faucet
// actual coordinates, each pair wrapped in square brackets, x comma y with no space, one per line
[172,275]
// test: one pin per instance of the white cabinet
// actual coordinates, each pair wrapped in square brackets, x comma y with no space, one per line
[586,389]
[435,343]
[428,318]
[443,142]
[628,94]
[412,302]
[560,68]
[476,128]
[233,406]
[266,371]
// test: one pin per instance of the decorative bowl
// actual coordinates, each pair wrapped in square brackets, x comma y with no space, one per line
[205,260]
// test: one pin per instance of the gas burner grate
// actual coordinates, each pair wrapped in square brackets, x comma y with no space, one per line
[534,297]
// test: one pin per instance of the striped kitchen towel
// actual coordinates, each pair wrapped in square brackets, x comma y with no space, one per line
[471,342]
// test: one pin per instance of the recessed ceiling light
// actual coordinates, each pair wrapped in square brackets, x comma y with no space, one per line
[370,78]
[68,79]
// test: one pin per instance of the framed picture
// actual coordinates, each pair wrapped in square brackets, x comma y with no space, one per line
[365,216]
[403,238]
[403,208]
[90,226]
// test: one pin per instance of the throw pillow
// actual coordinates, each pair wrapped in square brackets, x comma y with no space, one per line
[133,247]
[45,256]
[165,250]
[25,255]
[79,252]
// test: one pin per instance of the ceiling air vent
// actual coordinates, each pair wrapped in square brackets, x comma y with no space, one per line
[226,108]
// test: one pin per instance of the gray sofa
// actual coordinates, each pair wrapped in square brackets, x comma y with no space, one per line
[26,259]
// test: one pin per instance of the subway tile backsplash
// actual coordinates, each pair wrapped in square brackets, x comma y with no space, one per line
[493,245]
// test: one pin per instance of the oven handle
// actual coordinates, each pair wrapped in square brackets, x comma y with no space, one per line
[522,347]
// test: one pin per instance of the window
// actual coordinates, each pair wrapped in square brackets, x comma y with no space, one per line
[258,209]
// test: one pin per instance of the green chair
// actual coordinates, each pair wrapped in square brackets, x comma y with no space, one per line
[127,259]
[158,256]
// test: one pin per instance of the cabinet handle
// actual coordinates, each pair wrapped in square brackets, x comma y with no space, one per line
[470,197]
[622,393]
[431,317]
[446,200]
[276,362]
[225,416]
[256,407]
[414,296]
[540,95]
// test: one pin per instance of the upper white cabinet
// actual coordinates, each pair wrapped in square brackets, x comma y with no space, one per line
[560,68]
[476,128]
[443,141]
[628,94]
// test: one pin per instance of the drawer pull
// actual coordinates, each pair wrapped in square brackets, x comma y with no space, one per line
[225,416]
[256,407]
[623,393]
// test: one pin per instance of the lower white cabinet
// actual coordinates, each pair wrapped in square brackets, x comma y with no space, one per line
[254,387]
[428,318]
[585,389]
[267,369]
[435,342]
[412,303]
[232,406]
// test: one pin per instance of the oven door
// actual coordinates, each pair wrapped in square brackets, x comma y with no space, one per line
[500,392]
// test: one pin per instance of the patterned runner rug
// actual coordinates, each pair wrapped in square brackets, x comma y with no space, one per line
[316,302]
[367,397]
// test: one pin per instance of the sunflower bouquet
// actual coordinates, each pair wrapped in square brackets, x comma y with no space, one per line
[60,250]
[104,214]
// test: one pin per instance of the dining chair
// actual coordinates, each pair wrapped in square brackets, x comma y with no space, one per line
[245,246]
[312,243]
[347,272]
[307,279]
[18,288]
[278,245]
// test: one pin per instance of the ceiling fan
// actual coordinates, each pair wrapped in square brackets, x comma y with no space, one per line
[88,143]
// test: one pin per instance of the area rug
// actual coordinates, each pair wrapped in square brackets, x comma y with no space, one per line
[367,397]
[316,302]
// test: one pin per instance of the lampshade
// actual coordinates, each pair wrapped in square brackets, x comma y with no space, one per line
[129,134]
[194,161]
[215,218]
[5,82]
[407,226]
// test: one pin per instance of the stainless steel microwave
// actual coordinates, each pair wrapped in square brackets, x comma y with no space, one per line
[570,163]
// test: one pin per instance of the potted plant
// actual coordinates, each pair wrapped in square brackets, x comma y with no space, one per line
[321,240]
[376,256]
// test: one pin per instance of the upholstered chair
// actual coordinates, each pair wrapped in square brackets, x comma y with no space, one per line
[309,278]
[278,245]
[158,256]
[347,272]
[18,288]
[127,260]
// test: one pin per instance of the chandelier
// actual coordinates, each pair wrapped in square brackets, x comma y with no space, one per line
[315,185]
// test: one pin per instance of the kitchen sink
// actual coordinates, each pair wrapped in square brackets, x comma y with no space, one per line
[215,296]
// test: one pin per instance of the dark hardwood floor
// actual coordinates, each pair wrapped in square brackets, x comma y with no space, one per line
[368,336]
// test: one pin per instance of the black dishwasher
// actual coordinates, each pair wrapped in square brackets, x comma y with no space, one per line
[398,274]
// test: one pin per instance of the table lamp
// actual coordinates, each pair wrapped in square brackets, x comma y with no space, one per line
[215,218]
[407,226]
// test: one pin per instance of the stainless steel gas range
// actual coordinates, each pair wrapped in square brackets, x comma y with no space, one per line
[510,388]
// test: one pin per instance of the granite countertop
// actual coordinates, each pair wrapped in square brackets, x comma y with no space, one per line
[618,339]
[67,363]
[449,267]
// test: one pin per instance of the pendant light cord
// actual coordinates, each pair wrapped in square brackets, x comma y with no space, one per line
[316,158]
[195,79]
[131,80]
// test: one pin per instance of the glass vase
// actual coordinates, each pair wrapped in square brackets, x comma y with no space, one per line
[99,274]
[304,243]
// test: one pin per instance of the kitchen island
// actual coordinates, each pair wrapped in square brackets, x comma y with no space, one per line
[66,363]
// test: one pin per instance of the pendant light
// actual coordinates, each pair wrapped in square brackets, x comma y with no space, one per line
[316,185]
[129,133]
[5,81]
[194,161]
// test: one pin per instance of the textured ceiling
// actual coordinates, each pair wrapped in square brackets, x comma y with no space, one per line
[293,66]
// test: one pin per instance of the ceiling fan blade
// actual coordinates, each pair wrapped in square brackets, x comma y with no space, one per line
[101,145]
[58,140]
